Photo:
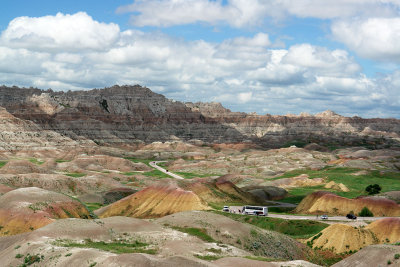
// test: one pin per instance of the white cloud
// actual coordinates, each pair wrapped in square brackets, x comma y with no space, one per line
[244,72]
[67,32]
[375,38]
[243,13]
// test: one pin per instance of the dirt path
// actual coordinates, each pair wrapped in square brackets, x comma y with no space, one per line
[173,175]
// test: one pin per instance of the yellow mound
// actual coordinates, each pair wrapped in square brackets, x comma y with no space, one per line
[153,202]
[386,230]
[342,238]
[26,209]
[339,187]
[326,202]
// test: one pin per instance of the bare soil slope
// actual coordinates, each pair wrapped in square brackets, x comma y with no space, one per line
[376,255]
[26,209]
[225,230]
[326,202]
[154,201]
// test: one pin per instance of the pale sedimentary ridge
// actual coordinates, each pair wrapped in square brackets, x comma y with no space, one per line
[343,238]
[131,114]
[325,202]
[154,201]
[26,209]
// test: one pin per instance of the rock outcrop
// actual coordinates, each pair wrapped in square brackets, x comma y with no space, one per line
[131,114]
[326,202]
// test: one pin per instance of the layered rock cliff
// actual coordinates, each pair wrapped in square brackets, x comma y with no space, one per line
[130,114]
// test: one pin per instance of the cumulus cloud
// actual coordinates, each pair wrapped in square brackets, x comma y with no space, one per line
[245,73]
[375,38]
[67,32]
[243,13]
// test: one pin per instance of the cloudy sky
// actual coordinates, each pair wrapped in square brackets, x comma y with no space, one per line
[264,56]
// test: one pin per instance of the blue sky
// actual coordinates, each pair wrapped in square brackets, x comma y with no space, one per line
[276,57]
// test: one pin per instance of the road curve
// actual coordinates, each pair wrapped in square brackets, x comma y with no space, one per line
[155,166]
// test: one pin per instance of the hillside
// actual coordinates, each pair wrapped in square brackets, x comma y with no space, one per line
[128,114]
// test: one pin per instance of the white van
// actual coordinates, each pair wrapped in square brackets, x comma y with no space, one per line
[255,210]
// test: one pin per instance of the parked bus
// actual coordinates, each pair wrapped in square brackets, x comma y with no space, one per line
[255,210]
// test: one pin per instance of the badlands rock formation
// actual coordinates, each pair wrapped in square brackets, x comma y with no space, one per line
[326,202]
[26,209]
[123,115]
[155,201]
[343,238]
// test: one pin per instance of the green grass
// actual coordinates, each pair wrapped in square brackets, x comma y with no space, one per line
[2,163]
[114,247]
[136,160]
[128,173]
[389,181]
[62,160]
[93,206]
[156,173]
[76,174]
[207,257]
[293,228]
[36,161]
[200,233]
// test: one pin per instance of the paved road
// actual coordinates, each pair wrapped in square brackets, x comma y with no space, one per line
[173,175]
[331,219]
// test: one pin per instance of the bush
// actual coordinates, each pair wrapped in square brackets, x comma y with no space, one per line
[373,189]
[365,212]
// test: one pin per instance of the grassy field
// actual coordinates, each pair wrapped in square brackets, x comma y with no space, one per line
[200,233]
[293,228]
[114,247]
[2,163]
[136,160]
[93,206]
[156,173]
[389,181]
[36,161]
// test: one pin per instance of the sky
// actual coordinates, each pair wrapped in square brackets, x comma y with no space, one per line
[265,56]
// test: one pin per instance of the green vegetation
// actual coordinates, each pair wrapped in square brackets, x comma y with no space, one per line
[200,233]
[62,160]
[293,228]
[31,259]
[373,189]
[128,173]
[207,257]
[136,160]
[365,212]
[76,174]
[93,206]
[2,163]
[396,256]
[18,256]
[156,173]
[114,247]
[388,181]
[36,161]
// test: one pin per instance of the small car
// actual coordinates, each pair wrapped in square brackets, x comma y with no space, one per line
[351,216]
[324,217]
[225,208]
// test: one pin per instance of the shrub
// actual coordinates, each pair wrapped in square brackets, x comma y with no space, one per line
[373,189]
[365,212]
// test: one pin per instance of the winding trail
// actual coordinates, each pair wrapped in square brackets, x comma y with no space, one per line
[173,175]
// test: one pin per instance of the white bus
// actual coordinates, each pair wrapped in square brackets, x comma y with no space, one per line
[255,210]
